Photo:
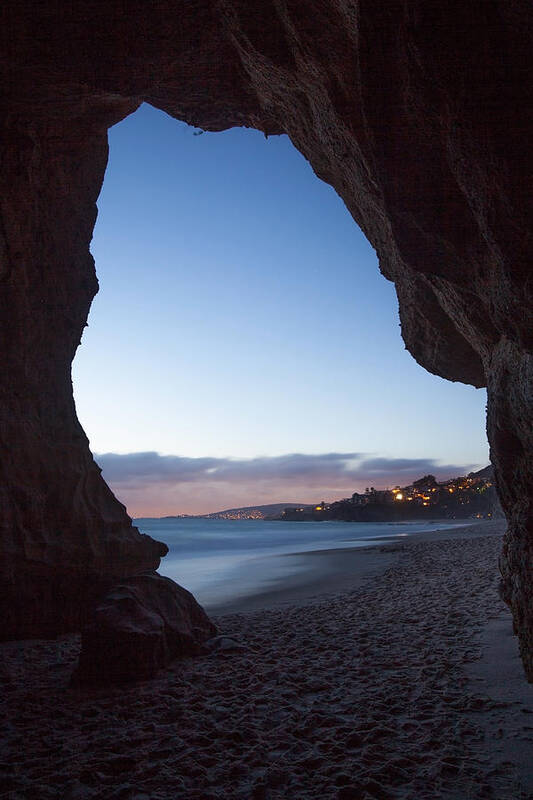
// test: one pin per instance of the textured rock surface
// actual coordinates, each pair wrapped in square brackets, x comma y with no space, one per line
[140,625]
[419,115]
[64,535]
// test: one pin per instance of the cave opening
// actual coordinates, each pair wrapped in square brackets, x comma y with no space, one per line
[241,314]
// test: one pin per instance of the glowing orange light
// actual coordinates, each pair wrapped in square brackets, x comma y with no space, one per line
[398,496]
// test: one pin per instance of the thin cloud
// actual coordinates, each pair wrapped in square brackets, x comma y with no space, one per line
[151,467]
[400,466]
[136,470]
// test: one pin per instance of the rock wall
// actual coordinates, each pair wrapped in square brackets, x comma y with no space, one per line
[64,535]
[417,113]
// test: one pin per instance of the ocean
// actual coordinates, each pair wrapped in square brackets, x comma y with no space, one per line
[221,561]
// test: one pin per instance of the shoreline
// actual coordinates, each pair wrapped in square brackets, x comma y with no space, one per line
[321,573]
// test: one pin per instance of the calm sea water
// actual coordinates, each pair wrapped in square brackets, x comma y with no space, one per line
[220,561]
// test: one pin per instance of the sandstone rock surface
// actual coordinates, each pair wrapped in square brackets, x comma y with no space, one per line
[142,624]
[417,113]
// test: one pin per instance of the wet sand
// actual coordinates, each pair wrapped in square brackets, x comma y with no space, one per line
[390,688]
[324,573]
[319,574]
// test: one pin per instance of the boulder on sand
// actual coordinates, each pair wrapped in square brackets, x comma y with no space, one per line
[141,625]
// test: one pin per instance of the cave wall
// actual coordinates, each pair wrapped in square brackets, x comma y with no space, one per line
[64,535]
[417,113]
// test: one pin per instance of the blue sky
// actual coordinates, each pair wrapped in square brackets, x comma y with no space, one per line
[241,315]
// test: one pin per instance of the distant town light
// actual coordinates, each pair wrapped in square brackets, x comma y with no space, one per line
[398,496]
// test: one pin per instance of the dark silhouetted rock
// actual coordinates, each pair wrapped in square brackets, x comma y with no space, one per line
[418,114]
[141,625]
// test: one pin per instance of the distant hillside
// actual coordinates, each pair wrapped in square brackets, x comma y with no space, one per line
[473,495]
[487,473]
[253,512]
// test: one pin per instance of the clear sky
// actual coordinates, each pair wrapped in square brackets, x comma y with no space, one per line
[243,347]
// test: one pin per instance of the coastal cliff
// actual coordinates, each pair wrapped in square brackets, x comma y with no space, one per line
[417,114]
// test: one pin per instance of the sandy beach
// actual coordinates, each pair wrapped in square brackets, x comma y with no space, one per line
[389,672]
